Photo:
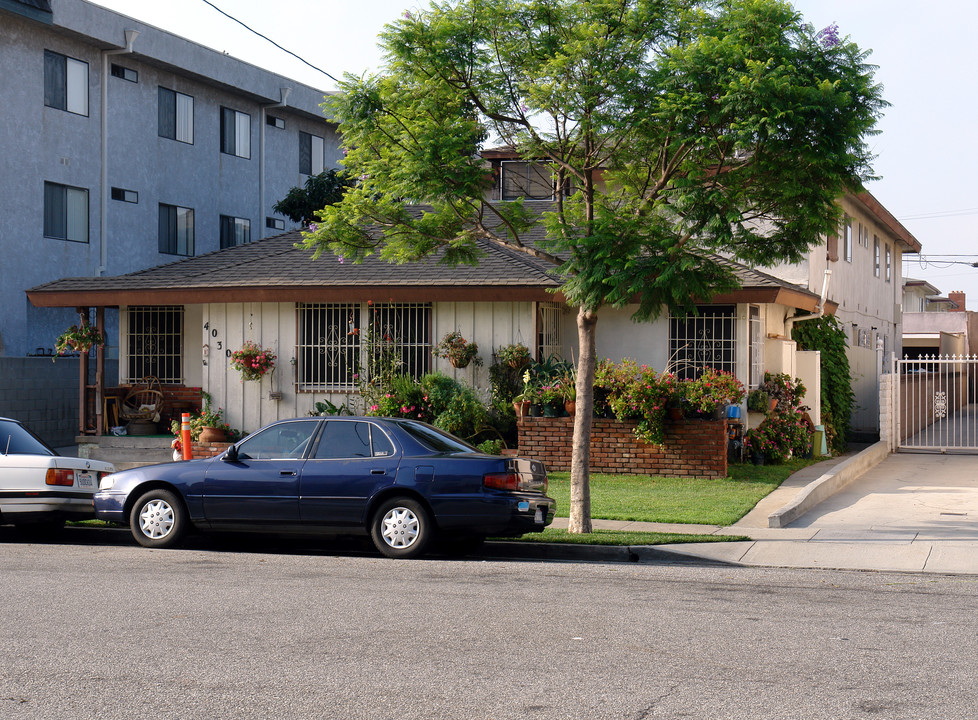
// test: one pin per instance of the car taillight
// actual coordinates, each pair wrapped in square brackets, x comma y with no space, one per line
[60,476]
[502,481]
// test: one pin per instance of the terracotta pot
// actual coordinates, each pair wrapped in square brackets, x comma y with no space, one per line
[675,413]
[571,407]
[522,408]
[212,435]
[774,404]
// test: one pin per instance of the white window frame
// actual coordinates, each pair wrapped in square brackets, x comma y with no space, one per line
[549,330]
[541,171]
[181,128]
[313,148]
[70,93]
[236,136]
[847,238]
[708,339]
[234,231]
[181,241]
[71,223]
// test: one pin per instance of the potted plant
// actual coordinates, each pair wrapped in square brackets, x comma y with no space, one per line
[712,391]
[517,356]
[78,339]
[524,401]
[253,361]
[568,386]
[552,397]
[758,401]
[457,350]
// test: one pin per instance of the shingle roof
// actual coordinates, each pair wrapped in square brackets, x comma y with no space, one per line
[275,270]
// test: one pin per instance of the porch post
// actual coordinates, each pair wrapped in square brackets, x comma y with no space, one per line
[82,377]
[99,372]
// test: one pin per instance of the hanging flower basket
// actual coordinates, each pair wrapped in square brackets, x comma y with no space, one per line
[457,350]
[253,361]
[78,339]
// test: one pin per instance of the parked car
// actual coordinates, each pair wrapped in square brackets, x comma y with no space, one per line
[40,489]
[399,481]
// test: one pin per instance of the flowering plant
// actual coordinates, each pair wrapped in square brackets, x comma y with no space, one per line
[712,390]
[643,394]
[531,391]
[252,361]
[205,418]
[788,393]
[552,394]
[80,339]
[780,436]
[459,351]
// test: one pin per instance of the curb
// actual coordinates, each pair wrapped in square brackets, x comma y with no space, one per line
[658,554]
[828,484]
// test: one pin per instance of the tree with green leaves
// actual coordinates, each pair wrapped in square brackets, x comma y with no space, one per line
[684,129]
[302,203]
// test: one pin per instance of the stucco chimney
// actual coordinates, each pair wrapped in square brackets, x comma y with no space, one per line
[957,297]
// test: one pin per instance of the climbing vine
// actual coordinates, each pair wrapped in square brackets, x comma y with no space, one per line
[826,335]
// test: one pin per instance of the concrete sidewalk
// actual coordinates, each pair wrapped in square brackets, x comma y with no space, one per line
[909,513]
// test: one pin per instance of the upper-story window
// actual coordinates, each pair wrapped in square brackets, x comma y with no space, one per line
[121,71]
[235,133]
[889,263]
[176,230]
[176,116]
[65,83]
[235,231]
[863,235]
[65,212]
[531,181]
[312,151]
[847,238]
[877,259]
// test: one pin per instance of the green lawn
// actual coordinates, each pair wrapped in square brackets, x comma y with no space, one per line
[677,500]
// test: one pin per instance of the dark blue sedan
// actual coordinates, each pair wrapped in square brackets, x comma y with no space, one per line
[402,482]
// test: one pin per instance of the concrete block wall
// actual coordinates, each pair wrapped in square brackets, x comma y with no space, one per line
[693,448]
[44,395]
[888,427]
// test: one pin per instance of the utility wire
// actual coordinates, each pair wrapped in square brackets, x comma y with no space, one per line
[265,37]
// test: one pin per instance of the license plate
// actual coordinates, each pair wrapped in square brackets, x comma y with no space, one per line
[538,516]
[84,479]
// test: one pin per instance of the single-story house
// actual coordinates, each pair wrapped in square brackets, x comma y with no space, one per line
[181,321]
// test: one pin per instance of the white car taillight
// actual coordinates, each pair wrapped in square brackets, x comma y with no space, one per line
[60,476]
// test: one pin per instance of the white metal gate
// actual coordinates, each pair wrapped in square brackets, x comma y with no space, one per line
[935,403]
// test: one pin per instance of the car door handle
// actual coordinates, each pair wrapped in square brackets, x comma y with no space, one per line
[378,472]
[287,473]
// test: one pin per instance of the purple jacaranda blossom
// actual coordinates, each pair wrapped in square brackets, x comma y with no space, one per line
[524,109]
[313,227]
[341,259]
[408,15]
[829,36]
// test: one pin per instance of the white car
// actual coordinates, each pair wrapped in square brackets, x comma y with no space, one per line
[40,489]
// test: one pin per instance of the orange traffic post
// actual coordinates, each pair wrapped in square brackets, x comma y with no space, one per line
[188,451]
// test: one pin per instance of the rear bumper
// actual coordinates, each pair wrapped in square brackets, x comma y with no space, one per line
[500,515]
[31,506]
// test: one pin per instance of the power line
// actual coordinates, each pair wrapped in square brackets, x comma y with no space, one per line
[940,214]
[265,37]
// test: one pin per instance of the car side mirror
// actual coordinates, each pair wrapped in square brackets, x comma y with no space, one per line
[231,455]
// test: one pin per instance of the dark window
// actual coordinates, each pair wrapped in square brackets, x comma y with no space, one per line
[274,121]
[176,230]
[176,116]
[235,133]
[65,212]
[65,83]
[344,439]
[125,73]
[312,150]
[234,231]
[532,181]
[129,196]
[274,223]
[707,339]
[155,343]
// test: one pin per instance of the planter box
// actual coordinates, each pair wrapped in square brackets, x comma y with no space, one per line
[693,448]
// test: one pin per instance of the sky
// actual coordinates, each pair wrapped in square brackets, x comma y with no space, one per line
[926,53]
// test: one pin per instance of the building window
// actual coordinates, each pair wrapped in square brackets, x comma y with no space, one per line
[155,343]
[235,133]
[756,360]
[124,73]
[531,181]
[65,212]
[176,230]
[176,116]
[863,235]
[129,196]
[549,341]
[339,341]
[707,339]
[275,122]
[235,231]
[65,83]
[847,238]
[876,256]
[312,150]
[274,223]
[889,263]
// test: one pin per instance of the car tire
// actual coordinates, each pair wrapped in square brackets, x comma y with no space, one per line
[401,528]
[158,519]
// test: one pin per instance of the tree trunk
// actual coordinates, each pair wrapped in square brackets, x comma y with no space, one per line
[580,499]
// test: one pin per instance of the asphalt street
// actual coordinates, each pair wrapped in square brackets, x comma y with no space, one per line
[95,626]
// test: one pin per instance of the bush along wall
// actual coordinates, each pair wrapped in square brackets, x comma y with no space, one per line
[826,335]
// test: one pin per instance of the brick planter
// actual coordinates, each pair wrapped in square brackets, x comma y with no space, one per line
[693,448]
[207,450]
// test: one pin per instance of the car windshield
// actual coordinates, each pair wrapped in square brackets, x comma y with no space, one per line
[15,439]
[434,439]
